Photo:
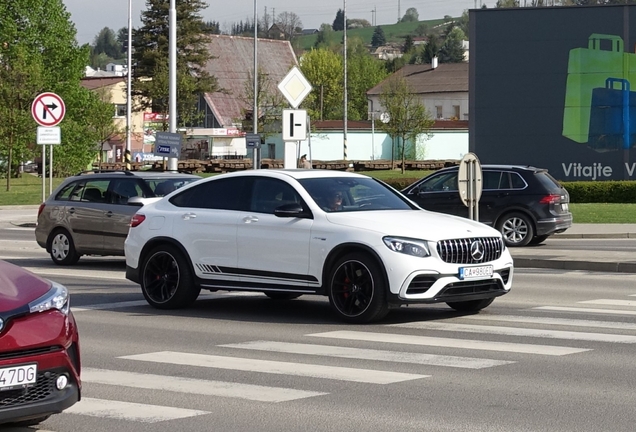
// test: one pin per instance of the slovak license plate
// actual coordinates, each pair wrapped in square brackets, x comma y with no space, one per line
[18,376]
[475,272]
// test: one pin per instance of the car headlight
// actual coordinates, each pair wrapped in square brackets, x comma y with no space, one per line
[414,247]
[56,298]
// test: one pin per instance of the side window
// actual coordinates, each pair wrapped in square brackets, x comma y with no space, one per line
[269,193]
[122,189]
[492,180]
[441,183]
[95,191]
[225,194]
[65,193]
[516,181]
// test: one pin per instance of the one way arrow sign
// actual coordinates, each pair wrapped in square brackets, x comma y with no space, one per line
[48,109]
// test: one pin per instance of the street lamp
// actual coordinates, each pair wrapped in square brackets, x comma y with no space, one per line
[255,113]
[172,58]
[127,155]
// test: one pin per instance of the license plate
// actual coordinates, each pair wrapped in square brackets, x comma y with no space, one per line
[475,272]
[564,206]
[18,376]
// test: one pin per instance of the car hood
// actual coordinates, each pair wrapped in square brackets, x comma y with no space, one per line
[18,287]
[420,224]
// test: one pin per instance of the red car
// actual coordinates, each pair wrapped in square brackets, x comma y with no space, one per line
[39,348]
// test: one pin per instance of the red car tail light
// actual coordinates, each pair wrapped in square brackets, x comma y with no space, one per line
[137,220]
[40,209]
[550,199]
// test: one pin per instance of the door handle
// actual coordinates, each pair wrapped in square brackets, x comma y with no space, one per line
[250,219]
[109,213]
[188,216]
[71,210]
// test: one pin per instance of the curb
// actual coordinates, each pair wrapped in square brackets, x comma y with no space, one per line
[609,267]
[595,236]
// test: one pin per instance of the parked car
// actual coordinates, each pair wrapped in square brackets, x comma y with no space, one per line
[89,214]
[39,348]
[292,232]
[526,204]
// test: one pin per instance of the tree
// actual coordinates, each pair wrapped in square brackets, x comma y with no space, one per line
[338,23]
[452,50]
[323,68]
[39,52]
[507,4]
[270,103]
[431,49]
[150,59]
[290,24]
[421,29]
[408,118]
[378,38]
[326,37]
[106,42]
[411,15]
[408,44]
[364,72]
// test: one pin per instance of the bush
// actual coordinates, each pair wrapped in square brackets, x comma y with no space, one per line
[401,183]
[601,191]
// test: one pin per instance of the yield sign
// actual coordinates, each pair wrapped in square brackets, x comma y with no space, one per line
[48,109]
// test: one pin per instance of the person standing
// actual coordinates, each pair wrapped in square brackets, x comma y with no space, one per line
[304,163]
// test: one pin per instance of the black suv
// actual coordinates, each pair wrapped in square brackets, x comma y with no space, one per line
[89,214]
[525,203]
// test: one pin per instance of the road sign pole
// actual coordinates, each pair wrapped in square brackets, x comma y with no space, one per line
[51,170]
[43,168]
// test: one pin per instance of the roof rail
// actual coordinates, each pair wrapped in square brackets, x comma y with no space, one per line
[96,171]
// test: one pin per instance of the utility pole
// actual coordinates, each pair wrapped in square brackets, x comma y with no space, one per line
[173,163]
[127,153]
[344,136]
[399,14]
[255,113]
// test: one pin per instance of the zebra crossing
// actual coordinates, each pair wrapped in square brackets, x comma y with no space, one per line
[411,344]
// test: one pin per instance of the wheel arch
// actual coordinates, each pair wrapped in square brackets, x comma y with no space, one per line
[157,241]
[510,210]
[345,248]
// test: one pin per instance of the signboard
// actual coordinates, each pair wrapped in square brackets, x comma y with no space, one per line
[294,87]
[253,140]
[469,183]
[294,125]
[48,109]
[168,144]
[49,135]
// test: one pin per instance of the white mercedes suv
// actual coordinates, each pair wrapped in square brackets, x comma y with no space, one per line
[292,232]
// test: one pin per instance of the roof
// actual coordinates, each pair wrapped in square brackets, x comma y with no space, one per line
[232,64]
[422,79]
[365,125]
[93,83]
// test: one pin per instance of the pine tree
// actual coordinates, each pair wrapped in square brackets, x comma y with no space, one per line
[338,23]
[151,58]
[378,38]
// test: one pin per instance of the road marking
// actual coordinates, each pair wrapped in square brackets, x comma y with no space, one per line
[450,343]
[553,321]
[368,354]
[516,331]
[195,386]
[81,273]
[130,411]
[276,367]
[610,302]
[134,303]
[585,310]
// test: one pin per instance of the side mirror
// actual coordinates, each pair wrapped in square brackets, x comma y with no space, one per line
[291,210]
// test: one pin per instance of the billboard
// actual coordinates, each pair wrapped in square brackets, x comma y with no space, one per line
[555,87]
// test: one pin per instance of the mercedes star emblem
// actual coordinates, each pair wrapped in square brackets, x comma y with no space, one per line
[477,250]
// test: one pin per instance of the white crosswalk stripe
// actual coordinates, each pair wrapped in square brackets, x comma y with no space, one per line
[369,354]
[450,343]
[552,321]
[586,310]
[194,386]
[515,331]
[276,367]
[144,413]
[610,302]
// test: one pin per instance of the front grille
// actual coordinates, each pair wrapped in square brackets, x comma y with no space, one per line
[421,284]
[471,287]
[458,251]
[43,388]
[29,352]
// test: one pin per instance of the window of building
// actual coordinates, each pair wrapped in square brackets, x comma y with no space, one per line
[120,110]
[456,112]
[439,112]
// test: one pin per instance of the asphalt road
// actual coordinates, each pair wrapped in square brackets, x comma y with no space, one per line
[555,355]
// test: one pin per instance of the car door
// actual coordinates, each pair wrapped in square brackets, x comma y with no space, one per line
[85,211]
[439,193]
[205,223]
[495,188]
[118,212]
[273,252]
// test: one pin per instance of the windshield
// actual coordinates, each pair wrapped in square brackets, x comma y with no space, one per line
[163,186]
[354,194]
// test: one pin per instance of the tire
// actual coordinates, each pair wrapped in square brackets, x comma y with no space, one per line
[471,305]
[357,290]
[31,422]
[516,228]
[274,295]
[166,279]
[538,239]
[62,248]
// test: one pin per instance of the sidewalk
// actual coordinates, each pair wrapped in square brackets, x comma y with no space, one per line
[525,257]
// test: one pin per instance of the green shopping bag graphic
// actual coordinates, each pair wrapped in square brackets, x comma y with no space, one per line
[589,68]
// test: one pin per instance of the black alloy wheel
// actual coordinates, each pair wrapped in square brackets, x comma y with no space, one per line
[166,279]
[357,291]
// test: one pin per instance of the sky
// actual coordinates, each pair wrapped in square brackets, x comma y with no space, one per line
[90,16]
